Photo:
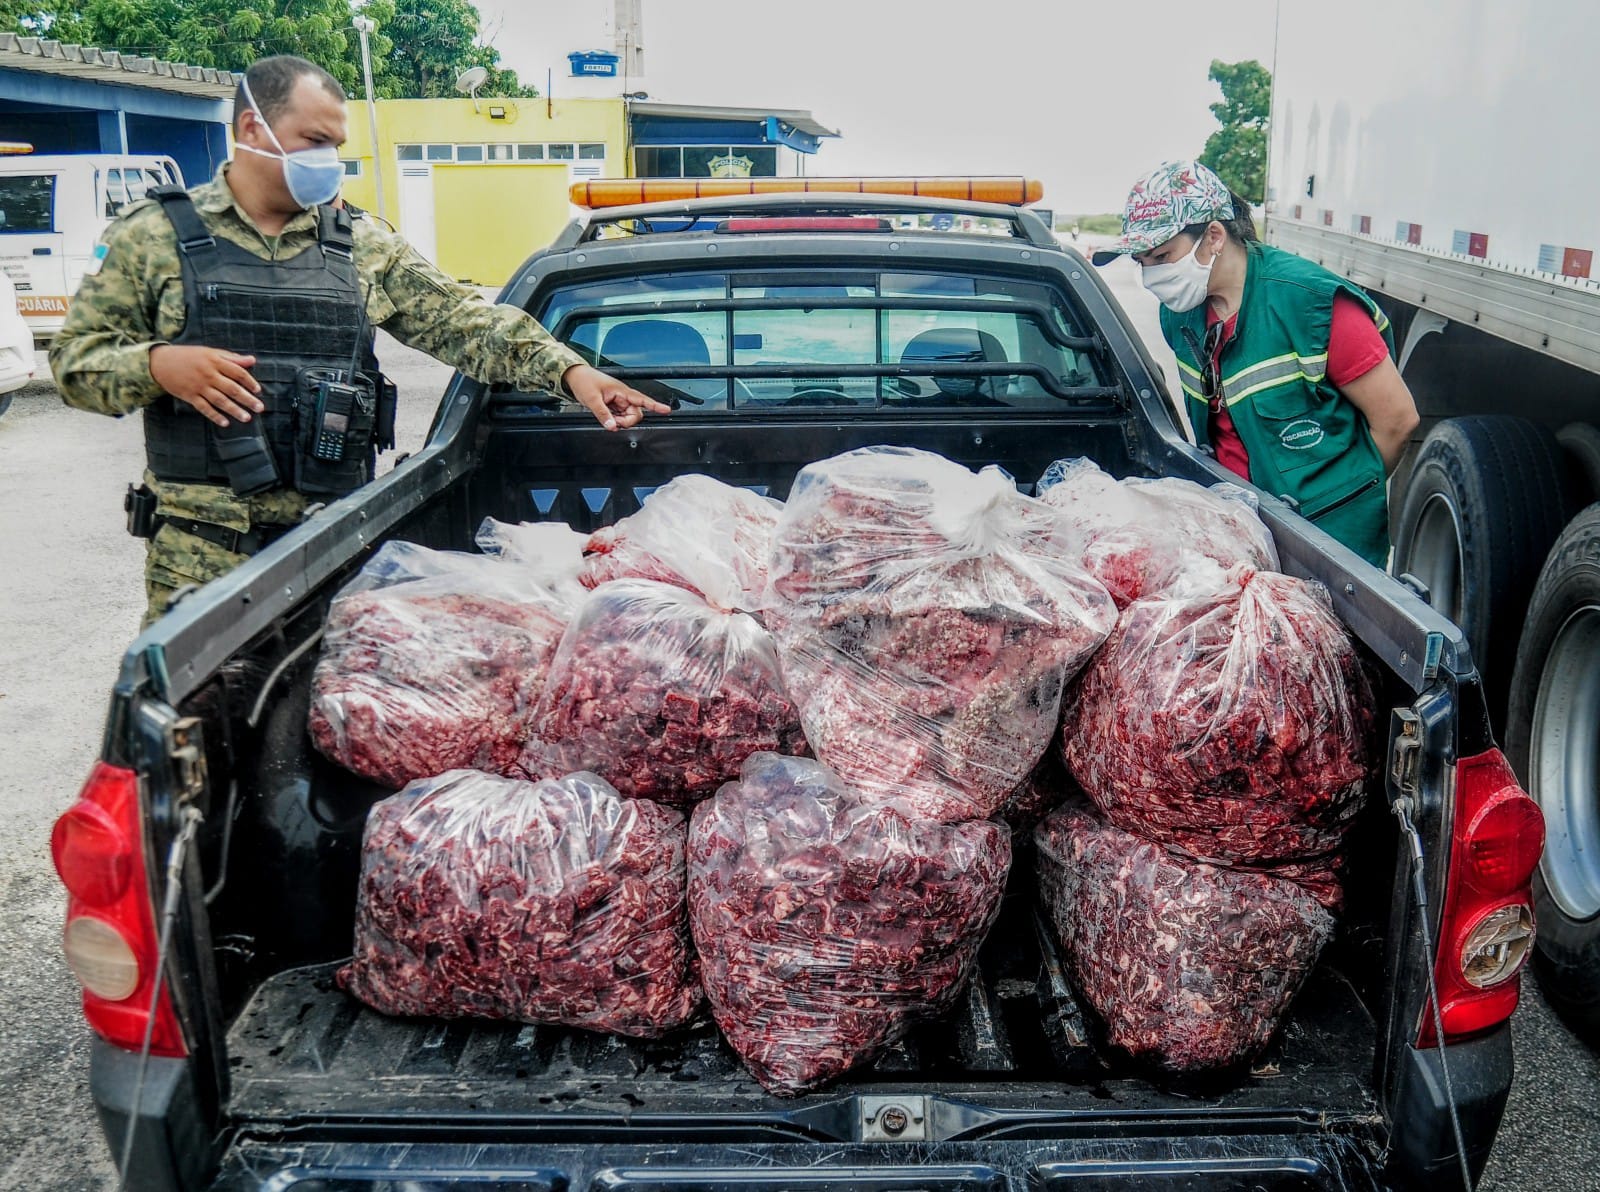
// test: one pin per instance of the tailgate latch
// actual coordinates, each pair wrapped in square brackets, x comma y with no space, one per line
[1405,761]
[894,1119]
[188,758]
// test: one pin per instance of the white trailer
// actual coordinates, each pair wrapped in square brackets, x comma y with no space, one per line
[1443,156]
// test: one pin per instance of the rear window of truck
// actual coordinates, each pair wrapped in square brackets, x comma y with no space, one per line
[720,341]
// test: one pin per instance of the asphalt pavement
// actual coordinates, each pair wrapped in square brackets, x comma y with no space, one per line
[70,601]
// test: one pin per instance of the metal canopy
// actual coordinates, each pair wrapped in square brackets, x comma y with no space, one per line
[85,63]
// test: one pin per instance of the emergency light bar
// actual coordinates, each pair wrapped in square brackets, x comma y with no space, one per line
[625,192]
[9,147]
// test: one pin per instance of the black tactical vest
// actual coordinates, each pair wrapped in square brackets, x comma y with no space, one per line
[303,320]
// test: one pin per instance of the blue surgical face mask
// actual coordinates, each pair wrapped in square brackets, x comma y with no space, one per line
[313,176]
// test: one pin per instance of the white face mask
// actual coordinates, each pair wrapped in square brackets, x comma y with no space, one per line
[1181,285]
[313,176]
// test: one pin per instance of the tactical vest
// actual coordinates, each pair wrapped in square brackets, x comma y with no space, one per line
[1306,441]
[303,320]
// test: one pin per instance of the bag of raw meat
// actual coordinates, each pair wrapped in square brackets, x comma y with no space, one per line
[1136,535]
[1228,718]
[693,532]
[433,660]
[661,694]
[925,638]
[554,902]
[828,922]
[1190,966]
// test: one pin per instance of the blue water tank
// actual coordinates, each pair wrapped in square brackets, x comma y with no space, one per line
[594,64]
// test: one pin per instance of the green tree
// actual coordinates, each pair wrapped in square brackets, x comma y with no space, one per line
[419,50]
[1238,150]
[433,42]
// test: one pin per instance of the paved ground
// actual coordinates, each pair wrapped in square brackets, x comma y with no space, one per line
[70,600]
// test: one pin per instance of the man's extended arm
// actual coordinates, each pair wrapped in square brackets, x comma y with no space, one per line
[424,309]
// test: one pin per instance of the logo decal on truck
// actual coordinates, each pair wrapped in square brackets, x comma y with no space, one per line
[1302,434]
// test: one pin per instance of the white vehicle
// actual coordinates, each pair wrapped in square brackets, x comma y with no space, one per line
[16,345]
[1447,165]
[52,210]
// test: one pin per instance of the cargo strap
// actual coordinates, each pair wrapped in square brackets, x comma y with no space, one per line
[240,542]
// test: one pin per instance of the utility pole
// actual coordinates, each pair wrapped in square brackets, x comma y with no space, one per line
[364,26]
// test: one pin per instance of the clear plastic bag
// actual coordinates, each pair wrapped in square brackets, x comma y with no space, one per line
[693,532]
[556,902]
[1229,718]
[1136,536]
[661,694]
[924,632]
[1190,966]
[433,660]
[829,922]
[551,552]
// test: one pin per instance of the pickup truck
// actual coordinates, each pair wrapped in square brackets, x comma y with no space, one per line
[211,861]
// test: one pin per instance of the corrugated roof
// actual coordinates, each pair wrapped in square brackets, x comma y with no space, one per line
[44,56]
[802,121]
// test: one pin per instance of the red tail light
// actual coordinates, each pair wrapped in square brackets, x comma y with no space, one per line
[1486,931]
[110,938]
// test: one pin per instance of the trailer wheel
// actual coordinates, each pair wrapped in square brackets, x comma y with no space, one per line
[1485,501]
[1582,442]
[1554,744]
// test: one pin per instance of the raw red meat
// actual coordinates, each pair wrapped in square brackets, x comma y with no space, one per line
[558,902]
[828,922]
[1228,718]
[432,660]
[661,694]
[693,532]
[925,638]
[1190,966]
[1136,535]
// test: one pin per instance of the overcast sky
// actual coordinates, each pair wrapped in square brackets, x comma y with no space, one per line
[1086,96]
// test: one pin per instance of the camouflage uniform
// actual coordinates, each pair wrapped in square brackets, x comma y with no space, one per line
[101,358]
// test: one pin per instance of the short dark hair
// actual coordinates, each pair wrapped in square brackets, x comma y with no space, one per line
[272,82]
[1241,228]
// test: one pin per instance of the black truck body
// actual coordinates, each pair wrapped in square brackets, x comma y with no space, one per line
[289,1084]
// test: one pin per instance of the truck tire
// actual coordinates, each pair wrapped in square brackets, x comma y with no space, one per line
[5,402]
[1554,745]
[1486,499]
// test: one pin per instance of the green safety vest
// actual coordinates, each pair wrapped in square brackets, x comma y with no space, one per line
[1305,440]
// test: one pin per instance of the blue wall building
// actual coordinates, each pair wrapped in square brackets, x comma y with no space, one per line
[75,99]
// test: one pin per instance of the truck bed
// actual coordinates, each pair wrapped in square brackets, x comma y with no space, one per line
[1008,1068]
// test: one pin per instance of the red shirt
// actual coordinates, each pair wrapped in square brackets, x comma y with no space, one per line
[1355,348]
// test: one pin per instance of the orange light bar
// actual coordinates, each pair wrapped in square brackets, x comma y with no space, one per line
[624,192]
[15,147]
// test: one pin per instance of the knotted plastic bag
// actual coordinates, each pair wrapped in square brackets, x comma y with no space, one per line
[925,631]
[828,922]
[433,660]
[551,902]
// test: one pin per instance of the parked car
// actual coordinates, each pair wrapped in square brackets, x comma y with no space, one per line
[785,329]
[53,208]
[16,345]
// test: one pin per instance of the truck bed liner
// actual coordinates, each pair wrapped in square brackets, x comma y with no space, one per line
[302,1050]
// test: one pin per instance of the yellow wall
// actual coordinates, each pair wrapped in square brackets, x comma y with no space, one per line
[515,210]
[489,217]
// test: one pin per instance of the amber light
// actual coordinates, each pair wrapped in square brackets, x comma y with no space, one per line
[623,192]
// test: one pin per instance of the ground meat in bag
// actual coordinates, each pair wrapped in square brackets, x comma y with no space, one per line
[433,660]
[555,902]
[1135,535]
[1228,718]
[693,532]
[828,922]
[1190,966]
[661,694]
[925,639]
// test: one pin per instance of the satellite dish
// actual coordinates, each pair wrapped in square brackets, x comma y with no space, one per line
[468,82]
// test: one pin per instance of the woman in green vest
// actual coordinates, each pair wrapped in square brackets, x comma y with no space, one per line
[1287,369]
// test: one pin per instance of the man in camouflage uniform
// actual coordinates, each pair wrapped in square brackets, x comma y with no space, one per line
[116,353]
